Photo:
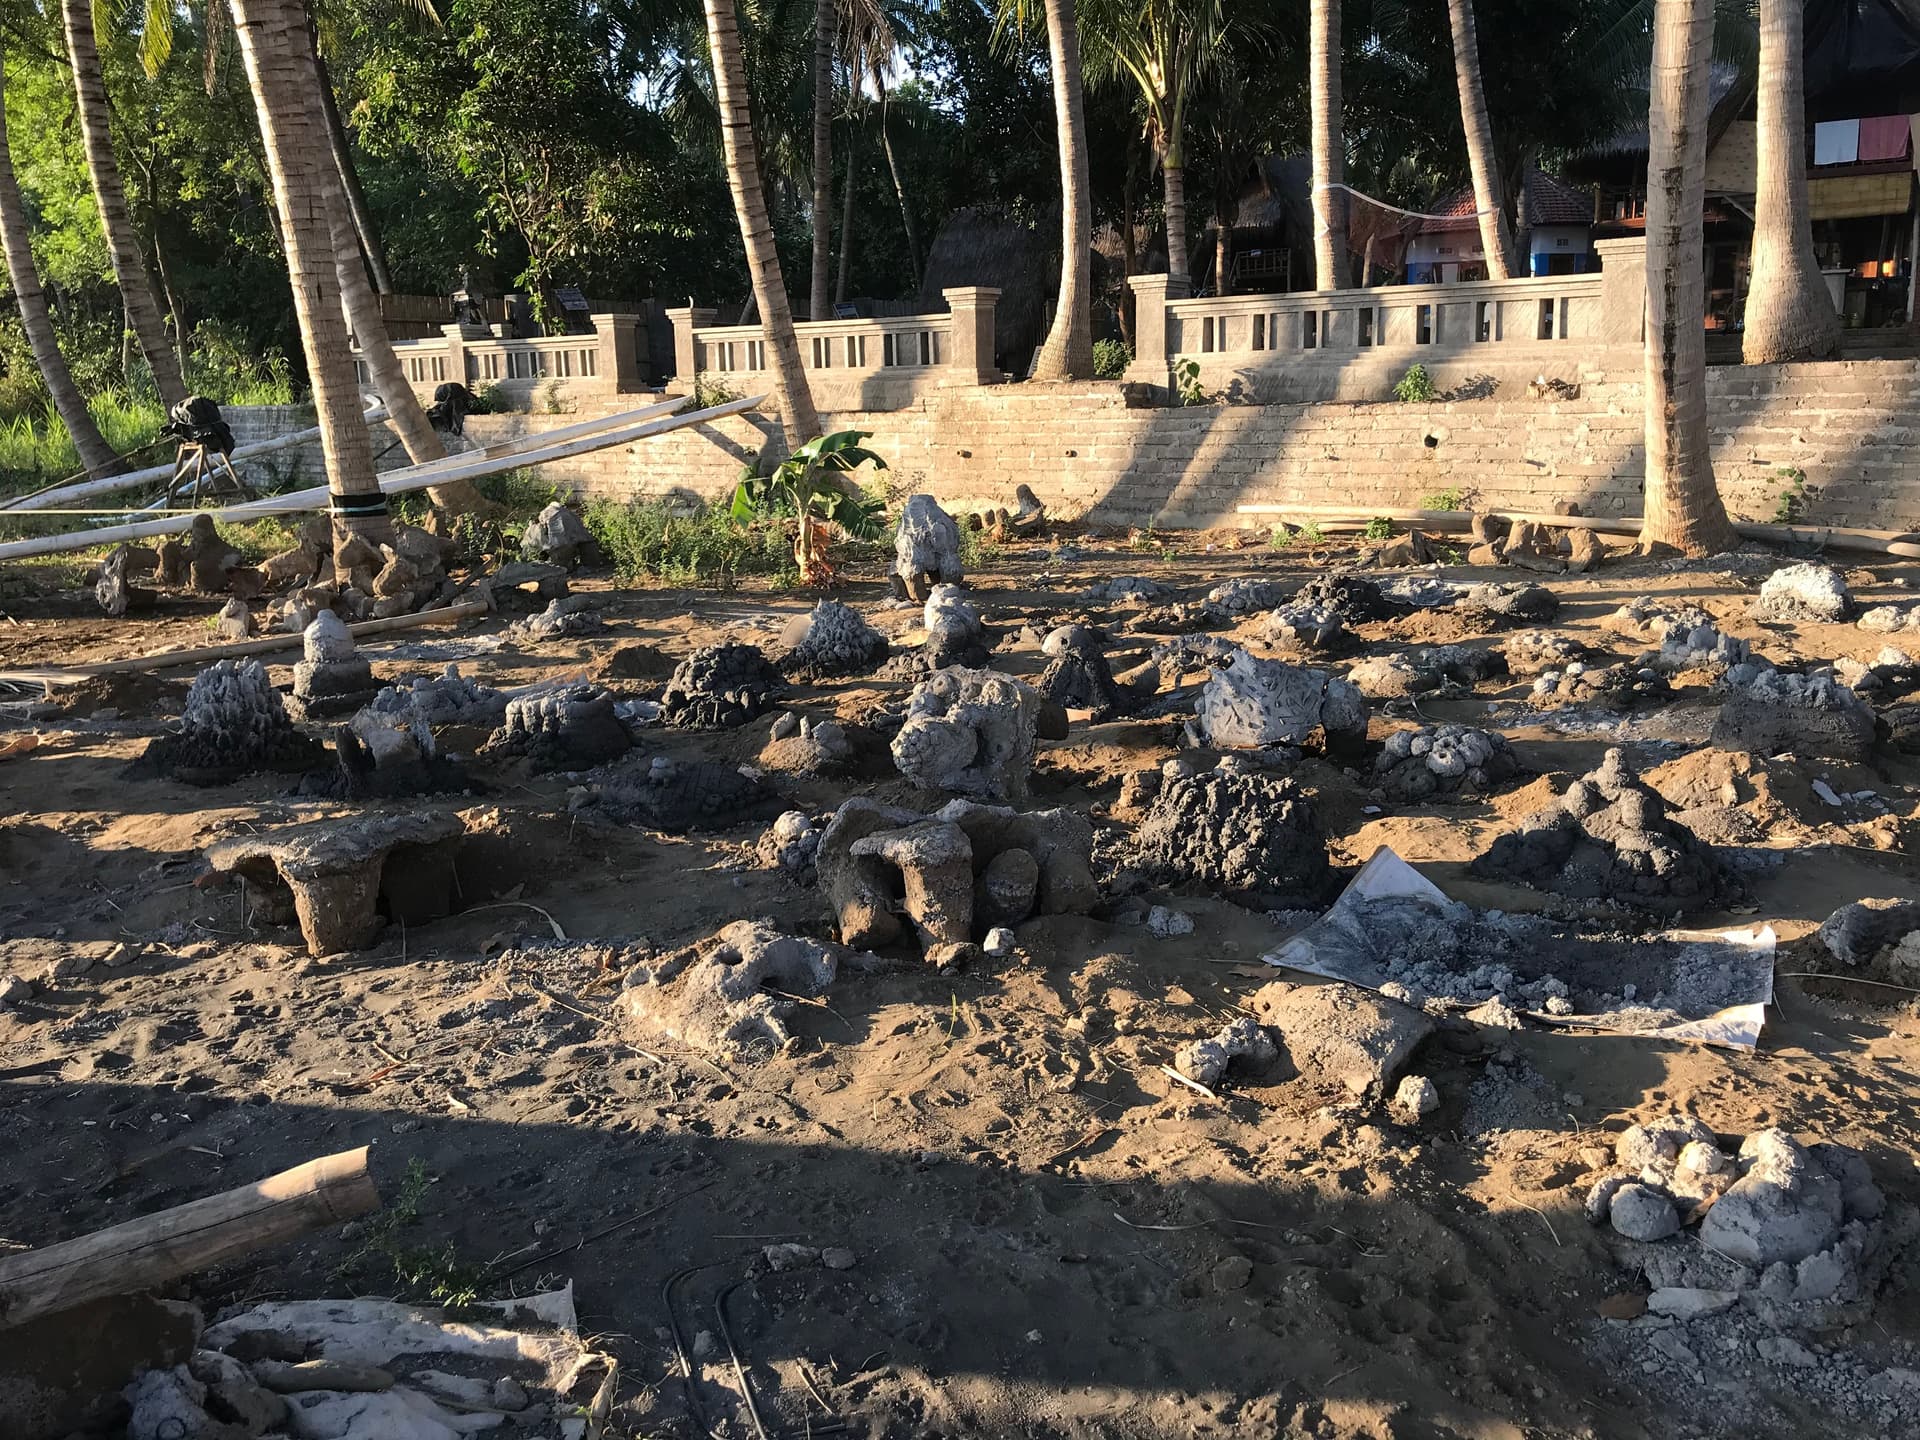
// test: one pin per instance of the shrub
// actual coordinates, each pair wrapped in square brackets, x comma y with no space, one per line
[1455,499]
[699,546]
[1378,528]
[1415,387]
[1186,383]
[1110,359]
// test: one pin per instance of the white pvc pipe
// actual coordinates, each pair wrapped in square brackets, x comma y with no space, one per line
[413,477]
[52,499]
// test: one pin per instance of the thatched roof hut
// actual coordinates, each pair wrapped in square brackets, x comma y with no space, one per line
[1019,257]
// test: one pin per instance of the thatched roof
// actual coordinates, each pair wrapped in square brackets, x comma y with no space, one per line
[980,246]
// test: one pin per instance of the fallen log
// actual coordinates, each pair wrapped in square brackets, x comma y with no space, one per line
[156,1249]
[207,654]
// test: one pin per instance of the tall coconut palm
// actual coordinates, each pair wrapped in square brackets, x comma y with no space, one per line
[1164,47]
[1682,504]
[68,403]
[825,22]
[1067,353]
[279,61]
[110,194]
[1790,315]
[1496,239]
[756,231]
[1330,264]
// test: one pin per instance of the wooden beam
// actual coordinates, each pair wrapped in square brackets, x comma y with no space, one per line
[159,1248]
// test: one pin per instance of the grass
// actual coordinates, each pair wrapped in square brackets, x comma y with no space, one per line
[35,450]
[644,539]
[434,1274]
[1455,499]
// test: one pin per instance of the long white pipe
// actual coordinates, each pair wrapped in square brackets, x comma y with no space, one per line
[52,499]
[392,482]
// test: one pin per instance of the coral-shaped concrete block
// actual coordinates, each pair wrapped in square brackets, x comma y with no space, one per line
[560,537]
[569,727]
[828,641]
[1242,834]
[934,859]
[678,796]
[720,686]
[233,723]
[1253,703]
[1443,760]
[342,879]
[1772,712]
[717,997]
[971,731]
[926,548]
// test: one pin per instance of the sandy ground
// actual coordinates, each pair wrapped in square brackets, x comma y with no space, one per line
[1051,1237]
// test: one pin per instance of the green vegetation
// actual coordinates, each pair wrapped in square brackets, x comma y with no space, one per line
[1790,506]
[707,393]
[1455,499]
[804,487]
[385,1263]
[704,545]
[1186,383]
[1378,528]
[36,451]
[1415,387]
[1110,359]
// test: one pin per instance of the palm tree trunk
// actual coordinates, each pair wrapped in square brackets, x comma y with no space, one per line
[899,189]
[1175,176]
[1682,505]
[273,42]
[1329,164]
[363,226]
[123,245]
[1222,254]
[1068,352]
[362,309]
[1790,315]
[825,13]
[1495,240]
[846,222]
[756,233]
[68,403]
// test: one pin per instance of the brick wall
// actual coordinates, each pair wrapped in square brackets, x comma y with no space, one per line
[1849,426]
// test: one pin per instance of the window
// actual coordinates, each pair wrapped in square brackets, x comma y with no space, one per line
[856,351]
[822,352]
[1423,325]
[1363,327]
[1326,329]
[1546,320]
[1310,329]
[590,360]
[1259,332]
[1483,320]
[563,363]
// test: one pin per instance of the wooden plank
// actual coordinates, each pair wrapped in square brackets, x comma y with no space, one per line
[156,1249]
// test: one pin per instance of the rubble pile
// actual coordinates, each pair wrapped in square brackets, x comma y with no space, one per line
[233,724]
[1703,647]
[1414,765]
[1608,838]
[1240,1045]
[1354,598]
[802,745]
[1236,832]
[719,687]
[1252,703]
[1803,594]
[1304,627]
[1611,687]
[1426,670]
[1515,600]
[679,796]
[717,997]
[565,727]
[1528,652]
[559,536]
[830,640]
[1651,621]
[1771,712]
[791,845]
[1880,938]
[566,618]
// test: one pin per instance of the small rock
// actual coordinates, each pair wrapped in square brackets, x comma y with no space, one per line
[510,1394]
[14,989]
[790,1257]
[1687,1303]
[837,1257]
[1166,922]
[1785,1350]
[1416,1098]
[1643,1214]
[1000,942]
[1232,1273]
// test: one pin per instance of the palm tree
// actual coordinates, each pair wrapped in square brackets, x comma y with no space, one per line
[1790,315]
[825,19]
[1164,47]
[123,243]
[68,403]
[756,232]
[1329,166]
[279,61]
[1067,353]
[1682,504]
[1496,240]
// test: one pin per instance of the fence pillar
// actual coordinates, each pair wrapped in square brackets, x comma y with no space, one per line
[1623,290]
[686,354]
[1150,296]
[456,347]
[970,343]
[619,362]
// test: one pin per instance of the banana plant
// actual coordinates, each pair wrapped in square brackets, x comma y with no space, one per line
[810,486]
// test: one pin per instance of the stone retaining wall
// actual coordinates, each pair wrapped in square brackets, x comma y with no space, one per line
[1848,426]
